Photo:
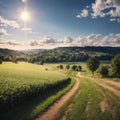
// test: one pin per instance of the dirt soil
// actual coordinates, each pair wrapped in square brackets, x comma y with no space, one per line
[117,84]
[104,84]
[53,110]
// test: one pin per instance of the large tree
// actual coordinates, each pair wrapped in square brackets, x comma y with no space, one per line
[116,65]
[93,64]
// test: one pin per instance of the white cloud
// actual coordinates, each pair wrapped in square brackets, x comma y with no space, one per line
[90,40]
[112,19]
[68,40]
[98,8]
[29,30]
[99,40]
[102,8]
[83,13]
[49,42]
[11,23]
[33,43]
[3,32]
[118,20]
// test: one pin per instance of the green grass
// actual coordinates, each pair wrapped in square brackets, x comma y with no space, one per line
[92,97]
[32,85]
[35,106]
[25,77]
[27,71]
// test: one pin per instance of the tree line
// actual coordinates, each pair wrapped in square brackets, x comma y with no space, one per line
[112,70]
[93,64]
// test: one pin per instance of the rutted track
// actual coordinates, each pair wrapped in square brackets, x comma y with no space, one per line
[97,100]
[54,108]
[104,84]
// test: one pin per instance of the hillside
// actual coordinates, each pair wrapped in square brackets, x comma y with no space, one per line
[10,52]
[72,54]
[61,54]
[107,50]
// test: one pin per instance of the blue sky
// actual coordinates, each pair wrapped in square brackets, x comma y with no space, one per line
[55,23]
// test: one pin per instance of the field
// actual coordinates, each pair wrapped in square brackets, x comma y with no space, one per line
[95,99]
[20,83]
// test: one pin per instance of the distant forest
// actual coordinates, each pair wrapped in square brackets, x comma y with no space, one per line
[61,54]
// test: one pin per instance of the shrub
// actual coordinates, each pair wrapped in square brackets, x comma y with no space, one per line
[61,67]
[74,67]
[79,68]
[67,67]
[0,61]
[104,71]
[116,65]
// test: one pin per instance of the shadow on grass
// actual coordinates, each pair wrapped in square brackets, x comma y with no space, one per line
[30,108]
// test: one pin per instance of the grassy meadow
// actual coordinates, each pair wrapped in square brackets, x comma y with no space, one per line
[35,86]
[38,86]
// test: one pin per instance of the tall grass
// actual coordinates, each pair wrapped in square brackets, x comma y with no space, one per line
[22,81]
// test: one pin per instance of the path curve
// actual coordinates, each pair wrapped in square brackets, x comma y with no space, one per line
[54,109]
[103,84]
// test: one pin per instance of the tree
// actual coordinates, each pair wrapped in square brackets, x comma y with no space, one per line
[116,65]
[41,63]
[93,63]
[79,68]
[104,71]
[61,66]
[74,67]
[67,67]
[0,61]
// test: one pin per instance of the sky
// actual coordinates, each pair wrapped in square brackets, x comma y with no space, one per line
[36,24]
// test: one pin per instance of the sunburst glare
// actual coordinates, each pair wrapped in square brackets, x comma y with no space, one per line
[25,16]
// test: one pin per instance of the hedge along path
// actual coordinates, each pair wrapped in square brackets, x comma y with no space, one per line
[53,110]
[103,84]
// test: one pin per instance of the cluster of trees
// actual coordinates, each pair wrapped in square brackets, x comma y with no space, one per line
[0,61]
[62,54]
[72,54]
[112,70]
[8,58]
[57,57]
[73,67]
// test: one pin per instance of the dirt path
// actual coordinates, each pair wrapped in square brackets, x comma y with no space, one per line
[117,84]
[103,84]
[54,109]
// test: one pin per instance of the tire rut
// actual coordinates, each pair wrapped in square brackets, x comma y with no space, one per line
[103,84]
[54,108]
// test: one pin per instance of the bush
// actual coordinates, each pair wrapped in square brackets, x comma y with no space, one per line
[61,67]
[79,68]
[41,63]
[74,67]
[0,61]
[116,65]
[67,67]
[104,71]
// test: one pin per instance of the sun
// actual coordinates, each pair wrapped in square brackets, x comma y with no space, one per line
[25,16]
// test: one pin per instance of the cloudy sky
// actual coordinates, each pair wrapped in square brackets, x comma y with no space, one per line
[32,24]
